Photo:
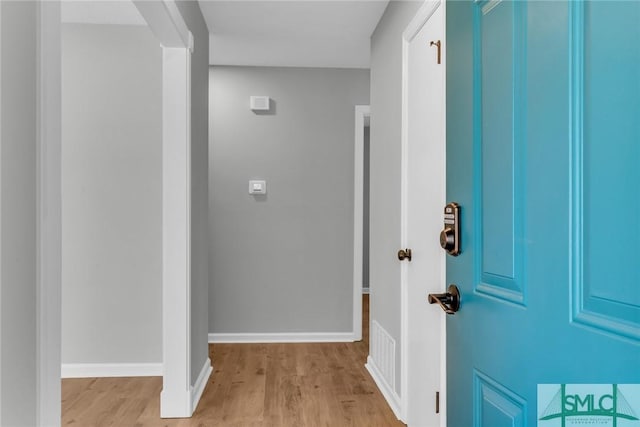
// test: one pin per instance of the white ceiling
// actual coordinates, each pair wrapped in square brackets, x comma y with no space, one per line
[121,12]
[295,33]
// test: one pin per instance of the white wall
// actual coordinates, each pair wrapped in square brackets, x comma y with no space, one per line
[386,110]
[18,252]
[282,263]
[111,195]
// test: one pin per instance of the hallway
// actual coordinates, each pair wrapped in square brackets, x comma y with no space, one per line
[274,385]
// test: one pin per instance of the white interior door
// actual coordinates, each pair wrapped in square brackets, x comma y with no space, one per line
[423,195]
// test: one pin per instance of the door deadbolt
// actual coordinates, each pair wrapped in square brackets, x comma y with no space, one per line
[448,239]
[404,254]
[450,235]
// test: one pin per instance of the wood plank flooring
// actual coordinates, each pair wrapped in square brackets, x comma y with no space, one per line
[253,385]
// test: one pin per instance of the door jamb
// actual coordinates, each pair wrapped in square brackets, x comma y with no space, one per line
[361,113]
[420,19]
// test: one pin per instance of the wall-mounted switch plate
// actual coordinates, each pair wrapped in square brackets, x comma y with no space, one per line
[257,187]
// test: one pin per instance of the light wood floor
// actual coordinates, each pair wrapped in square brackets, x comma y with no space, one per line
[275,385]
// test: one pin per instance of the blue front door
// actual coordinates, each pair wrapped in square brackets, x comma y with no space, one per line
[543,156]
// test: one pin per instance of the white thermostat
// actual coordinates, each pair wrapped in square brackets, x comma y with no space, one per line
[259,103]
[257,187]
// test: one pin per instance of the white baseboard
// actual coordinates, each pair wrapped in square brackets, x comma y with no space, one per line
[386,389]
[201,382]
[366,290]
[291,337]
[90,370]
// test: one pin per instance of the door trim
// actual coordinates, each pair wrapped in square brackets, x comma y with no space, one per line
[361,113]
[421,17]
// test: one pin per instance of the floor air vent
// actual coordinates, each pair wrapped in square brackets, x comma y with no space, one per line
[383,353]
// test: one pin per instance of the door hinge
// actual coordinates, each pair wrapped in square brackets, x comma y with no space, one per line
[437,402]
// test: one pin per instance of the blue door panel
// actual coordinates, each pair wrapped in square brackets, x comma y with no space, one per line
[498,64]
[543,130]
[496,133]
[496,405]
[607,152]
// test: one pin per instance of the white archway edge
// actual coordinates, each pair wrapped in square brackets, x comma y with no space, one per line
[166,23]
[361,113]
[177,399]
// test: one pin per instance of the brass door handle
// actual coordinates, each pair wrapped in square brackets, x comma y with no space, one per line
[449,301]
[404,254]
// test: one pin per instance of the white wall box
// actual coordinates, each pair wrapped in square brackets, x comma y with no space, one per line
[259,103]
[257,187]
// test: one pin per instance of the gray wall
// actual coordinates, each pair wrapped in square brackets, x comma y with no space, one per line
[386,115]
[283,262]
[199,186]
[18,214]
[111,194]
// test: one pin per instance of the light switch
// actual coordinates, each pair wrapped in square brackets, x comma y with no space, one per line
[257,187]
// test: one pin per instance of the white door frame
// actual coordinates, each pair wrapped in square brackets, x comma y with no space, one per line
[361,113]
[421,17]
[166,22]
